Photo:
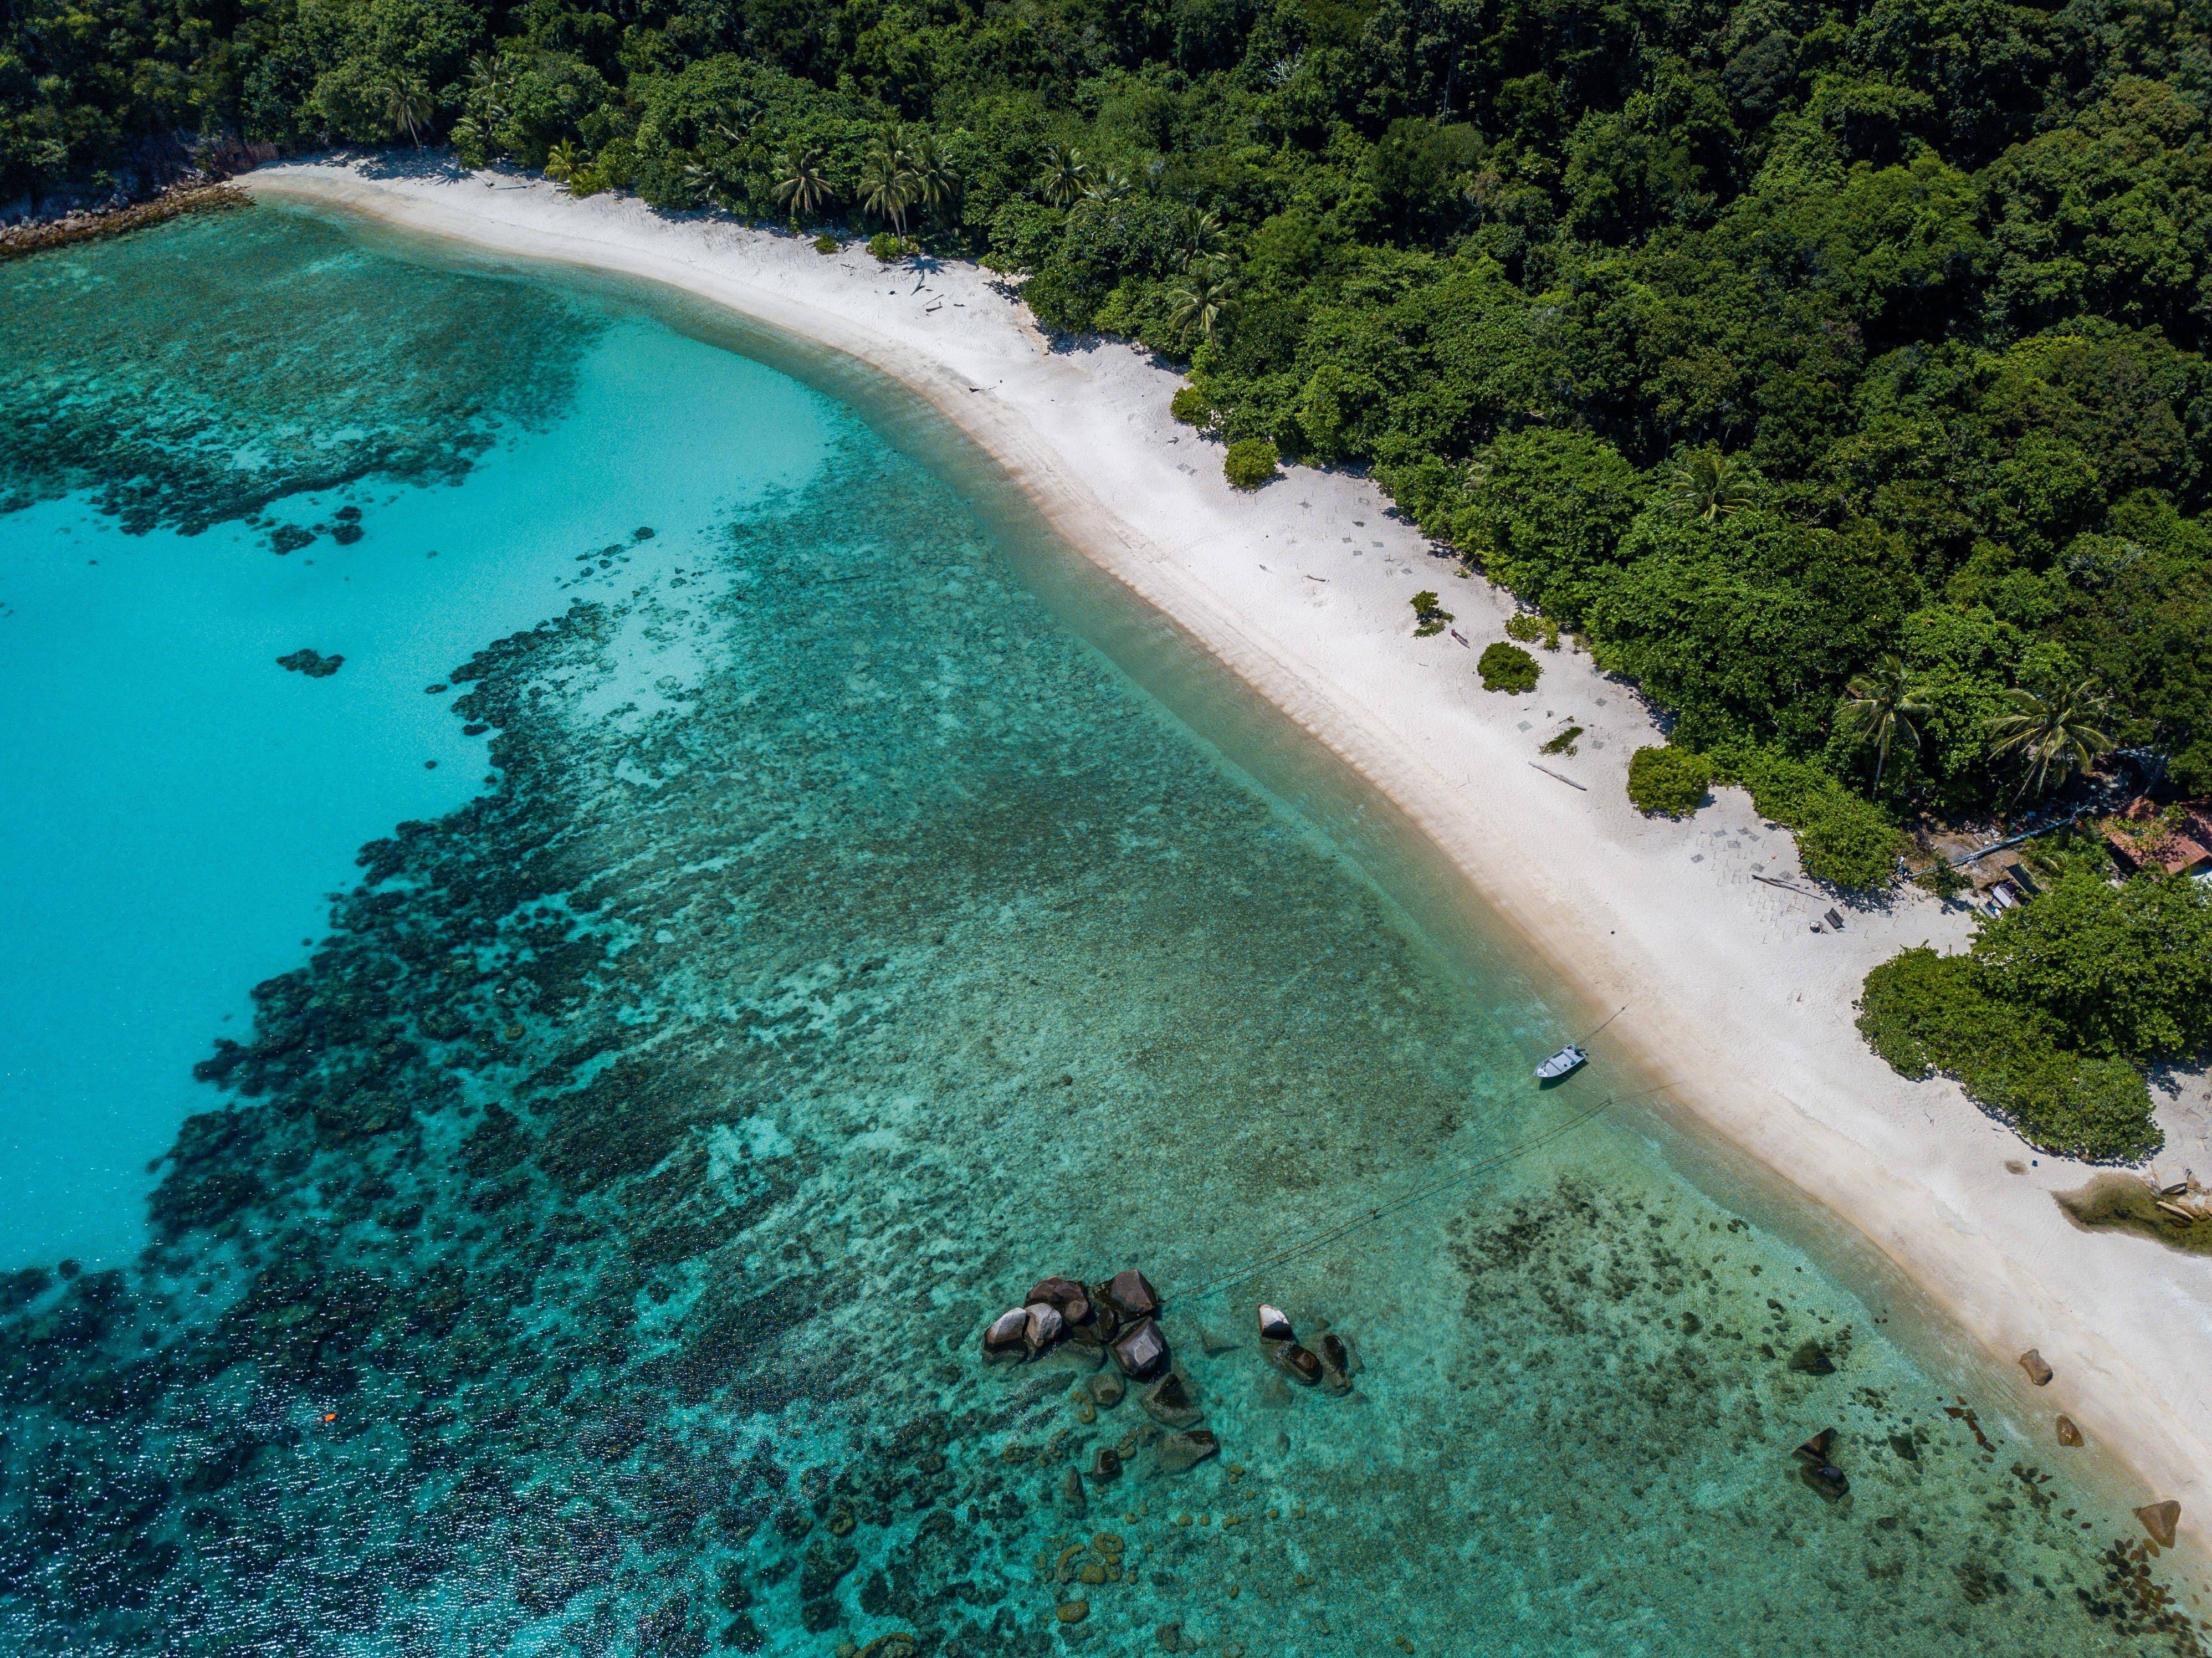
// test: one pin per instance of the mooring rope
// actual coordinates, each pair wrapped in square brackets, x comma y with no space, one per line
[1608,1019]
[1368,1218]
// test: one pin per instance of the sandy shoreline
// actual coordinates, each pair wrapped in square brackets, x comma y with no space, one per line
[1303,591]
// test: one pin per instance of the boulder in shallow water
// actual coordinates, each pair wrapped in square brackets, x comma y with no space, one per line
[1073,1300]
[1108,1387]
[1811,1358]
[1300,1363]
[1106,1465]
[1169,1403]
[1336,1362]
[2038,1370]
[1005,1336]
[1275,1324]
[1816,1448]
[1828,1479]
[1817,1470]
[1071,1499]
[1045,1326]
[1142,1353]
[1177,1453]
[2161,1520]
[1130,1294]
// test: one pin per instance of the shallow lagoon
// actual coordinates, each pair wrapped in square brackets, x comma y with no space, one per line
[588,1247]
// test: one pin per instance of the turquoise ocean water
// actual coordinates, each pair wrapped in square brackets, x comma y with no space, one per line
[829,912]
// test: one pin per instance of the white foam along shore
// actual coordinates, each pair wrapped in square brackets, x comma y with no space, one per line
[1302,589]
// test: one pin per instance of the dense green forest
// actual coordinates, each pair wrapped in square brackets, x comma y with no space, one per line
[1765,346]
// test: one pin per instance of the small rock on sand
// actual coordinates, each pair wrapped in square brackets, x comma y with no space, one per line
[2161,1520]
[2068,1433]
[2037,1371]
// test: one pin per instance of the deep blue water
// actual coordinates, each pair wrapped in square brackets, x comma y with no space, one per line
[611,1141]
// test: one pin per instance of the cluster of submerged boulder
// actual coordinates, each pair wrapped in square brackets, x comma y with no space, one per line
[1119,1318]
[1119,1315]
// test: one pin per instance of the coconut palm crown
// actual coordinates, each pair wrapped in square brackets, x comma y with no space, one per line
[2055,736]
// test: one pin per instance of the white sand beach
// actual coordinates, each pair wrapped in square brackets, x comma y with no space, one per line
[1302,589]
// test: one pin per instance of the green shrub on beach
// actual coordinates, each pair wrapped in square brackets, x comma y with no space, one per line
[825,243]
[1192,407]
[1668,782]
[1251,463]
[2047,1017]
[1507,668]
[1926,1013]
[1429,616]
[886,247]
[1842,838]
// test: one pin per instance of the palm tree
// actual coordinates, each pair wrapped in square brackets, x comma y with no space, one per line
[1709,484]
[407,104]
[1880,707]
[1197,232]
[1200,296]
[1110,185]
[488,87]
[563,162]
[800,183]
[887,182]
[2057,736]
[934,182]
[700,180]
[1061,178]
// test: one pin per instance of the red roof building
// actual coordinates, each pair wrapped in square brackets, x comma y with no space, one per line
[2174,840]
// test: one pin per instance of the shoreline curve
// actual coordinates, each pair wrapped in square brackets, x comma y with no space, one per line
[1301,591]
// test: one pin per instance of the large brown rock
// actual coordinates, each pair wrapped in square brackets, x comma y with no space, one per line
[1108,1387]
[1169,1403]
[2069,1435]
[1178,1452]
[2038,1371]
[1300,1363]
[1131,1294]
[1004,1340]
[1142,1352]
[1071,1298]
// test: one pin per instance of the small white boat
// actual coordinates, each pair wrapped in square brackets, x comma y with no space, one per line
[1566,1062]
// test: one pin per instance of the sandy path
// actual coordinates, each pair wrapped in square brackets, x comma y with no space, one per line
[1302,589]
